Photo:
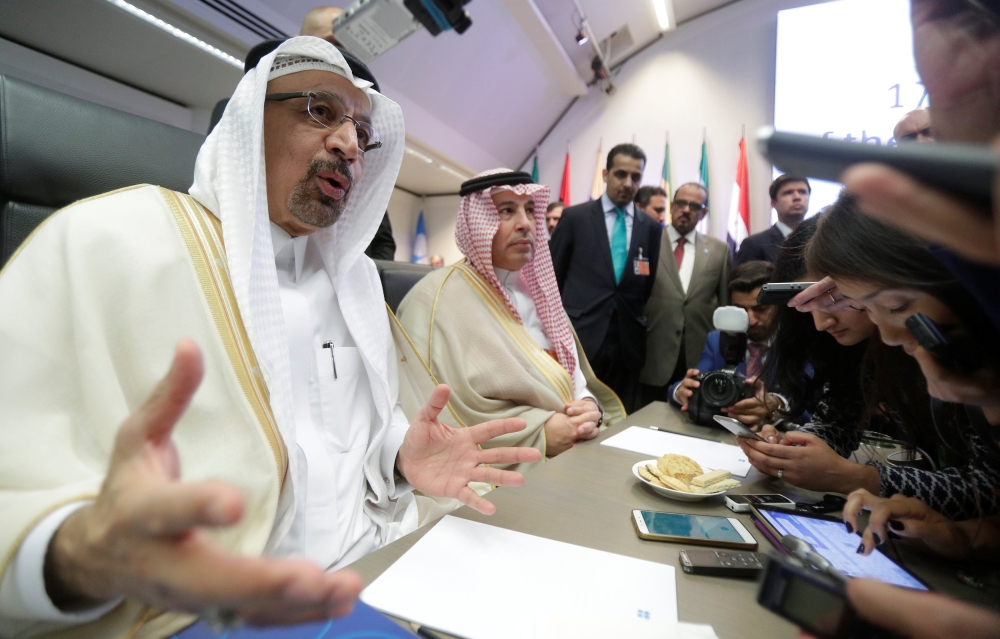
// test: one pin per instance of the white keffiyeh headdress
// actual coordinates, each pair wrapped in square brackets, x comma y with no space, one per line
[230,181]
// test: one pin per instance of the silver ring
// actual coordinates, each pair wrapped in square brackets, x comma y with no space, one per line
[220,620]
[781,473]
[833,300]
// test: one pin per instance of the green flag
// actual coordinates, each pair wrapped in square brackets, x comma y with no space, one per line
[703,167]
[665,182]
[534,170]
[703,226]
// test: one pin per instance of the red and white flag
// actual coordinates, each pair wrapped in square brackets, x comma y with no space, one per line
[739,209]
[564,189]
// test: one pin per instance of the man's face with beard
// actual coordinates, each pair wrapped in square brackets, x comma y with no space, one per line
[310,168]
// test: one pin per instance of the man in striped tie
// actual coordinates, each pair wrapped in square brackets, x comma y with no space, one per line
[605,257]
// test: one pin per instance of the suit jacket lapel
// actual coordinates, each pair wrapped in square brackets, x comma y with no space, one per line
[667,262]
[700,261]
[601,230]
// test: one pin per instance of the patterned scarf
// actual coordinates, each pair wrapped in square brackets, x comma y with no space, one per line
[478,221]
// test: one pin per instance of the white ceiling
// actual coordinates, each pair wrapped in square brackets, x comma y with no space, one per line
[472,101]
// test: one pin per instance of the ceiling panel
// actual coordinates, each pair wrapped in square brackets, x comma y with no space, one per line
[100,37]
[491,85]
[488,84]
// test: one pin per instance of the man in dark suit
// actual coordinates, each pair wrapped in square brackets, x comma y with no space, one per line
[605,257]
[790,199]
[690,284]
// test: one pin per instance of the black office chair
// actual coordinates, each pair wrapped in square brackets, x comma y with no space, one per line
[56,149]
[398,278]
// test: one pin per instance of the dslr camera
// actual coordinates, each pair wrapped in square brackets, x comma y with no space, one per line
[723,387]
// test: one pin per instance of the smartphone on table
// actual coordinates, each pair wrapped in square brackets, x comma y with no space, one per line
[721,563]
[683,528]
[780,292]
[736,427]
[742,503]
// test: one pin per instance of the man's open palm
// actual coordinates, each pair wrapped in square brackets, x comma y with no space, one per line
[144,536]
[441,461]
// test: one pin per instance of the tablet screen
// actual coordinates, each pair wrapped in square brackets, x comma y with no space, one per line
[839,547]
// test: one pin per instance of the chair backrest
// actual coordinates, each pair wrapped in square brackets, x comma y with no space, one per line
[56,149]
[398,278]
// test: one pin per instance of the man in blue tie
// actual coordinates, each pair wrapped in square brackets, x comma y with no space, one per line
[605,259]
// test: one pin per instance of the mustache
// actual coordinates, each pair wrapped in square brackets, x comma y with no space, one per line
[339,166]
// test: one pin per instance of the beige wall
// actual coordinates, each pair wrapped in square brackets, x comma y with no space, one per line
[439,223]
[715,72]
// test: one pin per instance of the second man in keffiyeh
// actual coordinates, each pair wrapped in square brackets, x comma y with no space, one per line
[493,326]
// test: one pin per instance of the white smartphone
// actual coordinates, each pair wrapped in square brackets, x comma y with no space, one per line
[736,427]
[705,530]
[742,503]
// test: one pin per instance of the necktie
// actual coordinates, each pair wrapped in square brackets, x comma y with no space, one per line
[755,357]
[619,245]
[679,252]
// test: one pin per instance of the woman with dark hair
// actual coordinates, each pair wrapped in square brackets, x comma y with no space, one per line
[857,384]
[893,276]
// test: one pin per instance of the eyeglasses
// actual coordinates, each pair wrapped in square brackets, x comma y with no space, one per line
[696,207]
[330,112]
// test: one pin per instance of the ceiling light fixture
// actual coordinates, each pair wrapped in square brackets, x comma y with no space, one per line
[448,169]
[581,37]
[420,156]
[664,13]
[177,33]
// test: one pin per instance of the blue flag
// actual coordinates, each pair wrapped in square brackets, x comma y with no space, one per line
[420,243]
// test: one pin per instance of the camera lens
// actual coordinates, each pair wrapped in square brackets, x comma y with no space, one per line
[718,389]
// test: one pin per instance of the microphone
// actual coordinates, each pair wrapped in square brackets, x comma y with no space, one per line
[731,319]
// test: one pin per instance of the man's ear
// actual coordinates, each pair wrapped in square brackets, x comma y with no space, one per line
[604,174]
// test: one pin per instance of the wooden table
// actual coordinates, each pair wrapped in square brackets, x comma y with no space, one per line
[586,495]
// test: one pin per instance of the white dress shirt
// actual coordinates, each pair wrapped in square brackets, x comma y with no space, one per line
[687,262]
[333,422]
[784,228]
[610,215]
[519,294]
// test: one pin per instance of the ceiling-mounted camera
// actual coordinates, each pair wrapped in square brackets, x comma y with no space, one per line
[369,28]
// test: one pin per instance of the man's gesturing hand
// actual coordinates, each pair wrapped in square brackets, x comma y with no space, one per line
[441,461]
[143,537]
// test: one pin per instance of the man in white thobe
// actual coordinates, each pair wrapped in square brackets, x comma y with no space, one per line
[128,497]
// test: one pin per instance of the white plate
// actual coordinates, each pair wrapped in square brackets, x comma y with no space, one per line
[676,495]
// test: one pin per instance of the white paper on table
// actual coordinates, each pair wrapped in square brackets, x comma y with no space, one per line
[655,443]
[560,626]
[483,582]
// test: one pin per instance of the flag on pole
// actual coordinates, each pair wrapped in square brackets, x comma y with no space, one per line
[534,169]
[597,186]
[419,255]
[665,183]
[564,189]
[739,209]
[703,226]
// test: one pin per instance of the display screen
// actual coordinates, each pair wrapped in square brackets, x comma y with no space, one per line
[825,87]
[692,526]
[839,547]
